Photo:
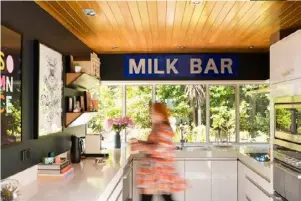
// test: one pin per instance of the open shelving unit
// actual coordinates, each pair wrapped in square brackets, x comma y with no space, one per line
[78,118]
[80,82]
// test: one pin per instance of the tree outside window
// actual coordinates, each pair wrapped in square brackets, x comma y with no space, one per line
[254,117]
[188,110]
[109,106]
[138,99]
[222,113]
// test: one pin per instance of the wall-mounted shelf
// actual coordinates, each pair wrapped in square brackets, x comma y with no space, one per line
[78,118]
[81,81]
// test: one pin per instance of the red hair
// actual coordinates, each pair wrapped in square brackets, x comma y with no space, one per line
[162,109]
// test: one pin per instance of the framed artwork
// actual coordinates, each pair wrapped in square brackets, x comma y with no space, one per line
[10,86]
[50,90]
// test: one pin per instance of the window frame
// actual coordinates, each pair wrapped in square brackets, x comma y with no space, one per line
[235,83]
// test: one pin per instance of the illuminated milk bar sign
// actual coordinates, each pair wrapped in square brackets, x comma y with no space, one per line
[181,66]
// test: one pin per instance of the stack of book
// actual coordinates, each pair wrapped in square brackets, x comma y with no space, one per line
[55,171]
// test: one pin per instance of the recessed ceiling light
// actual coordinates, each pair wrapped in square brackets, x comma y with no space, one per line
[89,11]
[182,47]
[251,47]
[114,47]
[195,2]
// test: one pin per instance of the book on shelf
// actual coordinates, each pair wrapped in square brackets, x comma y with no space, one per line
[55,172]
[64,163]
[82,103]
[70,104]
[88,101]
[64,175]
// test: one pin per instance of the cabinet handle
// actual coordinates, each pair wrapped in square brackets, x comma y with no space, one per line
[125,176]
[259,187]
[287,170]
[247,197]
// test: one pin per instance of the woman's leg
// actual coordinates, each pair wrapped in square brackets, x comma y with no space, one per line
[167,197]
[145,197]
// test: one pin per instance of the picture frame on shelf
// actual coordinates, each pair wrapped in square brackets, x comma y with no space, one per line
[49,90]
[11,87]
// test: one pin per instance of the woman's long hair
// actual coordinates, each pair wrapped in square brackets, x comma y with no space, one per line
[162,109]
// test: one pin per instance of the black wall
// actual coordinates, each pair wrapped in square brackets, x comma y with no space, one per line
[34,23]
[252,66]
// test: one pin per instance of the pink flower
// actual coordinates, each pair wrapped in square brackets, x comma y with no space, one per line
[118,124]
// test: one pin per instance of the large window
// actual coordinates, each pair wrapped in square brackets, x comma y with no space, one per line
[222,113]
[188,110]
[237,113]
[254,115]
[138,99]
[109,106]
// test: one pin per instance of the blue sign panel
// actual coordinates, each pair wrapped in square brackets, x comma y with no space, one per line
[181,66]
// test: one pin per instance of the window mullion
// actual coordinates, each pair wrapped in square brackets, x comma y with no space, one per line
[207,114]
[153,93]
[123,100]
[237,104]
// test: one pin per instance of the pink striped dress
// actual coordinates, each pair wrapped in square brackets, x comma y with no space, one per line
[157,173]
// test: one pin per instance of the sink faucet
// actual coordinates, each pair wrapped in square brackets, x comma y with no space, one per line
[182,136]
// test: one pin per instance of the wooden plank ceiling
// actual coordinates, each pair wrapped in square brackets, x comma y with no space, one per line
[175,26]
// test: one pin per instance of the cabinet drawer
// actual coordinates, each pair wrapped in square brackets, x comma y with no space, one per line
[117,193]
[264,184]
[254,192]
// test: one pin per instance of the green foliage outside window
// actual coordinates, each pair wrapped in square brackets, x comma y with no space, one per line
[188,109]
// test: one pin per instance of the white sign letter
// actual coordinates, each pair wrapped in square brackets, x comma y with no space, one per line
[137,69]
[226,63]
[211,66]
[195,66]
[9,84]
[156,68]
[171,66]
[150,66]
[8,105]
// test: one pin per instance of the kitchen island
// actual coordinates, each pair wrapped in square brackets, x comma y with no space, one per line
[104,182]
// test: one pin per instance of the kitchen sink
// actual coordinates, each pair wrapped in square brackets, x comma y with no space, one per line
[261,157]
[223,145]
[193,148]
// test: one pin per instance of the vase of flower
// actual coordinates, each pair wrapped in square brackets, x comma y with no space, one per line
[117,125]
[10,190]
[117,140]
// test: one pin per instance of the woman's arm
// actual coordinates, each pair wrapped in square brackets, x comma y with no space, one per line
[162,143]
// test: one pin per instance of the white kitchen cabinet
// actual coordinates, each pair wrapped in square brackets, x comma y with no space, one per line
[285,59]
[254,192]
[179,196]
[136,196]
[241,178]
[198,176]
[251,186]
[224,180]
[117,192]
[287,88]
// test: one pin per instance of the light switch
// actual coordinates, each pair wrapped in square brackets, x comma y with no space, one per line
[25,154]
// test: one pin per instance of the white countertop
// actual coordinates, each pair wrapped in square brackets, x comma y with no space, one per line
[91,182]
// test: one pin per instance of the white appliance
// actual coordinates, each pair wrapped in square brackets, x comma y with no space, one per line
[93,144]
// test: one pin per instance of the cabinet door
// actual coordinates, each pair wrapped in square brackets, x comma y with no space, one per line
[285,59]
[136,196]
[179,196]
[198,176]
[224,181]
[241,182]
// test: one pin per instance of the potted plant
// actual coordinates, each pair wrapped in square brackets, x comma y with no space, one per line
[117,125]
[77,67]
